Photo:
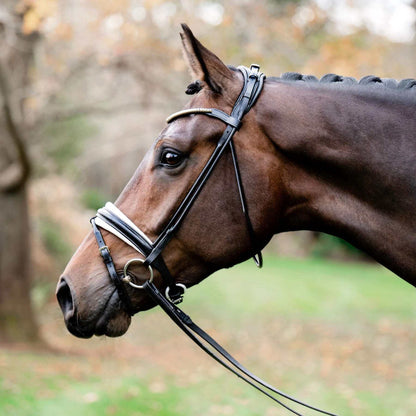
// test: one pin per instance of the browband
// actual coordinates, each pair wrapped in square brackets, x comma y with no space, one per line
[251,93]
[211,112]
[189,111]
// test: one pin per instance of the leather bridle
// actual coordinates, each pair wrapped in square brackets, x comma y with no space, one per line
[114,221]
[111,218]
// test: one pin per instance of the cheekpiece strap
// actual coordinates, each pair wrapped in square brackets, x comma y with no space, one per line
[109,264]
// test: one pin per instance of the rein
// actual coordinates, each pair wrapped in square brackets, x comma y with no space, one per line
[114,221]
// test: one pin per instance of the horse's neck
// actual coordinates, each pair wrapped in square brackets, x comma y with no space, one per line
[348,168]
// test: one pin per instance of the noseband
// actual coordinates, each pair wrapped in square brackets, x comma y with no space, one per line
[114,221]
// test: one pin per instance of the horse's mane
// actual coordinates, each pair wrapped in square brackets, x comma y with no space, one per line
[369,80]
[331,79]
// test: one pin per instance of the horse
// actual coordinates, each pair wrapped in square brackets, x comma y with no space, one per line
[336,156]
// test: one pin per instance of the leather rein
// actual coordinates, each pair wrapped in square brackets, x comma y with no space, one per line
[114,221]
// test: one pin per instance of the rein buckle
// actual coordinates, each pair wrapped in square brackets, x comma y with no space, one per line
[178,296]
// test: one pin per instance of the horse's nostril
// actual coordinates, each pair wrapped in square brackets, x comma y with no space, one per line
[68,306]
[64,296]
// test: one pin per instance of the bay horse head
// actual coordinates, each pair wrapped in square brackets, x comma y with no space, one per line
[228,216]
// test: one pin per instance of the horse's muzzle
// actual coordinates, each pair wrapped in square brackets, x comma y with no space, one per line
[110,319]
[67,304]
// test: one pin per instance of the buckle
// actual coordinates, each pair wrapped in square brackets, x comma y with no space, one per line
[102,248]
[258,259]
[105,254]
[254,70]
[177,297]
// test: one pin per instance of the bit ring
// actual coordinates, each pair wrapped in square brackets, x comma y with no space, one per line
[127,278]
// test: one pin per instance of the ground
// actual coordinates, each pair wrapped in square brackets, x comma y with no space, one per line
[339,336]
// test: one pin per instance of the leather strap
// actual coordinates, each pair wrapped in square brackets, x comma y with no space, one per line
[108,261]
[257,257]
[220,115]
[253,82]
[219,354]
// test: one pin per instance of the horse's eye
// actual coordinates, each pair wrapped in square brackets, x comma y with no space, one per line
[171,158]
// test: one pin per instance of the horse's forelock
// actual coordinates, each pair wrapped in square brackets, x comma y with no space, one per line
[193,88]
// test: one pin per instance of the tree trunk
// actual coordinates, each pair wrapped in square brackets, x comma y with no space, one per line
[17,321]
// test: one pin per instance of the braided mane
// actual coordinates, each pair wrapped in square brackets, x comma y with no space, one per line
[371,80]
[404,84]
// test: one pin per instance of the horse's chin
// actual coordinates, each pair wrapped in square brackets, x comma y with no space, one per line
[114,326]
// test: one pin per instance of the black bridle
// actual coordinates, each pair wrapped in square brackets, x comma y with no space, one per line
[109,217]
[114,221]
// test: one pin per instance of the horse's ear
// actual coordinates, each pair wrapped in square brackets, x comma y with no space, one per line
[204,65]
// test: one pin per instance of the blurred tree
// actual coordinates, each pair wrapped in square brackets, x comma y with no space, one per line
[17,42]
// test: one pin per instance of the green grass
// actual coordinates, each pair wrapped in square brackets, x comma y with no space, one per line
[309,288]
[340,336]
